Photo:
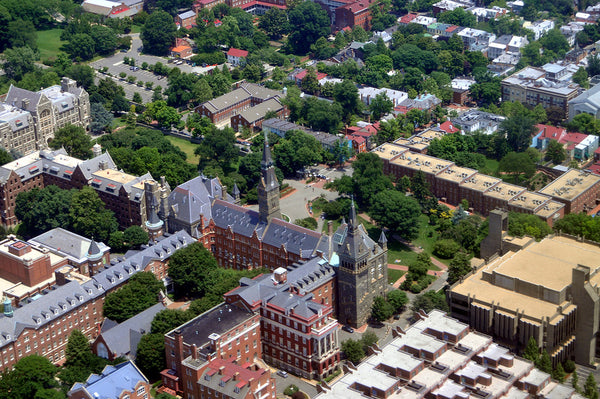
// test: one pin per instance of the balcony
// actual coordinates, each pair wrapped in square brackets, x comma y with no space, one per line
[331,323]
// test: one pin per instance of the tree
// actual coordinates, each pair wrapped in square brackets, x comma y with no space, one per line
[140,292]
[346,94]
[22,33]
[593,68]
[544,363]
[458,17]
[78,350]
[82,74]
[18,61]
[559,373]
[151,355]
[398,299]
[101,118]
[74,140]
[217,147]
[165,116]
[459,266]
[397,212]
[31,374]
[80,46]
[308,22]
[555,152]
[368,339]
[135,236]
[191,269]
[137,98]
[380,106]
[274,23]
[381,309]
[168,319]
[158,33]
[309,82]
[308,222]
[518,130]
[575,381]
[532,351]
[581,78]
[555,41]
[584,123]
[42,210]
[429,301]
[368,179]
[353,350]
[89,217]
[590,389]
[105,39]
[521,224]
[5,157]
[517,164]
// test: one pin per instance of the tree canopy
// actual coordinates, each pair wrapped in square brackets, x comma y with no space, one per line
[397,212]
[74,140]
[308,22]
[137,295]
[158,33]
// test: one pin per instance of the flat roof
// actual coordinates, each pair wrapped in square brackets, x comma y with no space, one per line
[415,142]
[549,209]
[530,200]
[571,184]
[422,162]
[389,150]
[115,175]
[480,182]
[504,191]
[456,173]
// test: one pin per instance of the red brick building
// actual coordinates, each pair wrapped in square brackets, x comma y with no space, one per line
[123,381]
[223,379]
[354,14]
[252,118]
[224,332]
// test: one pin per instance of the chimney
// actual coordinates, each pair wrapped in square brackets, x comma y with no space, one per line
[194,352]
[221,370]
[330,228]
[25,103]
[280,275]
[224,193]
[236,375]
[97,150]
[64,84]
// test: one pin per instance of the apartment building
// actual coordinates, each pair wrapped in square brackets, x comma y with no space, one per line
[123,381]
[483,193]
[42,321]
[223,379]
[440,357]
[578,190]
[533,86]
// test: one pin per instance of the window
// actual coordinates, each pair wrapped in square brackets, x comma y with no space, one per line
[141,390]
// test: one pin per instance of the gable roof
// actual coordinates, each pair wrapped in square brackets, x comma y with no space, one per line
[112,381]
[234,52]
[69,244]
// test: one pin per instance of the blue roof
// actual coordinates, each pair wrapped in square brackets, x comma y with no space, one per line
[112,382]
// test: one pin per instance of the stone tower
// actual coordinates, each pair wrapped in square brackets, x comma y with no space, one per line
[268,187]
[362,273]
[154,224]
[95,259]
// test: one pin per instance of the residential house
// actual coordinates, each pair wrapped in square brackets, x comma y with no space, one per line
[182,49]
[236,57]
[475,120]
[406,19]
[587,102]
[367,94]
[253,117]
[539,28]
[460,89]
[186,19]
[424,102]
[353,14]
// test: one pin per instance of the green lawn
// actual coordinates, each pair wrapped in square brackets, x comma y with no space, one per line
[394,275]
[490,168]
[49,42]
[136,29]
[186,147]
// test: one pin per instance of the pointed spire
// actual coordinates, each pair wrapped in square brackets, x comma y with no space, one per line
[153,220]
[235,191]
[382,238]
[94,252]
[353,222]
[267,160]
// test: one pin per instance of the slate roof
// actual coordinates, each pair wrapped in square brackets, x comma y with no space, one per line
[302,306]
[62,299]
[296,239]
[15,117]
[242,220]
[187,14]
[66,243]
[123,338]
[245,91]
[259,111]
[112,382]
[15,95]
[194,197]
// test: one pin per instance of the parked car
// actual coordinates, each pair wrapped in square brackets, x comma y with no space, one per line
[348,329]
[282,373]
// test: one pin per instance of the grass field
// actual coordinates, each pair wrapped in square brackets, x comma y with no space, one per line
[186,147]
[394,275]
[49,42]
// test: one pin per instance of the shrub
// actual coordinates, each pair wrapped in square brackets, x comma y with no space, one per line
[289,391]
[446,248]
[569,366]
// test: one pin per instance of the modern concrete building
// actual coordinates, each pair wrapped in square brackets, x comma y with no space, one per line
[546,290]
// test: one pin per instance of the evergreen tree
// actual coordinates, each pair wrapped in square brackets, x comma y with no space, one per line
[559,373]
[590,390]
[78,351]
[544,363]
[575,381]
[532,351]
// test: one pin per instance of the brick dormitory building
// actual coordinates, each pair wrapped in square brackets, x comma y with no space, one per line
[574,191]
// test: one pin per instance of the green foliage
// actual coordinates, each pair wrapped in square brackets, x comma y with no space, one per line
[380,106]
[575,381]
[368,339]
[464,150]
[458,17]
[74,140]
[346,94]
[518,130]
[517,164]
[274,23]
[459,266]
[581,78]
[29,375]
[569,366]
[18,61]
[158,33]
[151,355]
[579,224]
[193,270]
[584,123]
[381,309]
[532,350]
[168,319]
[559,373]
[308,222]
[42,210]
[521,224]
[544,363]
[590,389]
[446,248]
[336,209]
[398,299]
[555,152]
[78,350]
[353,350]
[89,217]
[290,390]
[308,22]
[368,179]
[135,236]
[217,148]
[101,118]
[165,116]
[397,212]
[429,301]
[140,292]
[296,151]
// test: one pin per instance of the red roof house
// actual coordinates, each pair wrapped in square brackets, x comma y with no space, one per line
[235,56]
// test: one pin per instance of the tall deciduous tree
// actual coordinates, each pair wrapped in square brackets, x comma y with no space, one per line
[74,140]
[158,33]
[151,355]
[397,212]
[140,292]
[308,22]
[459,266]
[353,350]
[42,210]
[274,22]
[18,61]
[192,270]
[89,217]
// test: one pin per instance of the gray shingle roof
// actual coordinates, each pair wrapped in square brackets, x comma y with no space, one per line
[123,338]
[242,220]
[294,238]
[67,243]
